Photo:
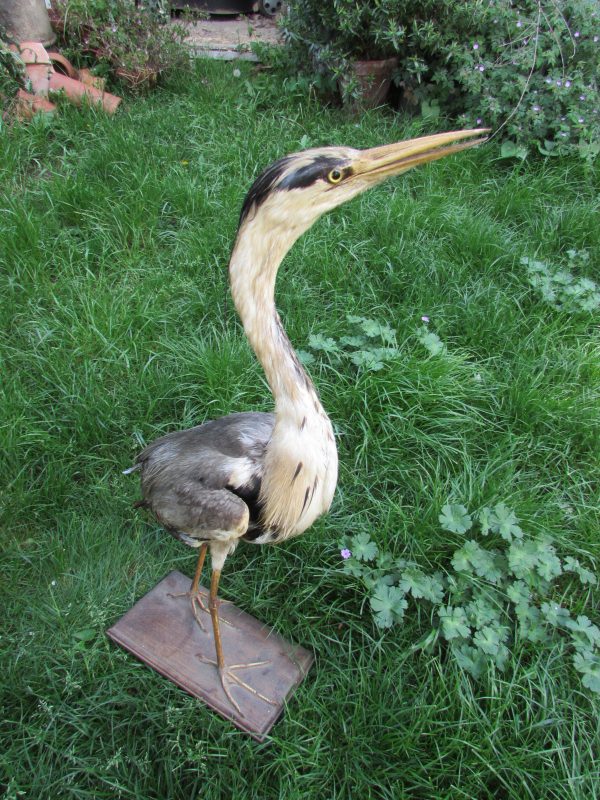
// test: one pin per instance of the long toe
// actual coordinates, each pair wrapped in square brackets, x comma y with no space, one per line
[236,679]
[196,603]
[229,678]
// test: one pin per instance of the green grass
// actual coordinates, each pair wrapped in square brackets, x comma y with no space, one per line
[117,327]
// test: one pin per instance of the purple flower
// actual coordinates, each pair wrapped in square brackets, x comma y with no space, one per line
[345,553]
[519,24]
[582,97]
[425,318]
[475,46]
[559,83]
[581,119]
[481,68]
[567,84]
[537,108]
[478,121]
[577,34]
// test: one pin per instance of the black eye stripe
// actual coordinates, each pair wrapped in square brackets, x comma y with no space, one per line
[309,173]
[281,175]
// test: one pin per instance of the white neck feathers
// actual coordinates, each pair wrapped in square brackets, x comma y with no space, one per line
[301,460]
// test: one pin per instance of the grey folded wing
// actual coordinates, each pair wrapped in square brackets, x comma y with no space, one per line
[203,483]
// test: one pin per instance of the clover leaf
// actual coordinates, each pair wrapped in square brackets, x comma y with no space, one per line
[353,567]
[353,341]
[504,522]
[471,557]
[388,605]
[305,357]
[485,520]
[530,623]
[518,592]
[363,548]
[455,518]
[588,663]
[470,659]
[480,612]
[367,359]
[489,639]
[454,622]
[430,587]
[374,329]
[431,341]
[522,558]
[555,614]
[584,633]
[585,575]
[319,342]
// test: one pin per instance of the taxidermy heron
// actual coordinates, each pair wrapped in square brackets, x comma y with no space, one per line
[265,477]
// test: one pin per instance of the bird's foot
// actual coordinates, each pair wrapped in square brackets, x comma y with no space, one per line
[197,602]
[227,675]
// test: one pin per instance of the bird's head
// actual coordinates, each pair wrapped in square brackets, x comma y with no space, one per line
[292,193]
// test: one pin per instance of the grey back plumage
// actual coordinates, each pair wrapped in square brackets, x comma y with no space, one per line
[203,483]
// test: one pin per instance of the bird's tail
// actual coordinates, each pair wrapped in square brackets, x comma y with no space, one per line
[132,469]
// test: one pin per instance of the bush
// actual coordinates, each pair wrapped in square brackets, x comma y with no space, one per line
[132,44]
[529,70]
[12,72]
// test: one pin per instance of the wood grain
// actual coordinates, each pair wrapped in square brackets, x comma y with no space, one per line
[161,631]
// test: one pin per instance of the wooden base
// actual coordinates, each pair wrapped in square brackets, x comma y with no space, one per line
[161,631]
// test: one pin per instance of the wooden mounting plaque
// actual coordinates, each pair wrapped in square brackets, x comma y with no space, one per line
[161,631]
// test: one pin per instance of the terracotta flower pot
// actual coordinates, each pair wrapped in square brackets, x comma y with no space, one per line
[28,105]
[77,91]
[27,20]
[374,80]
[62,64]
[85,76]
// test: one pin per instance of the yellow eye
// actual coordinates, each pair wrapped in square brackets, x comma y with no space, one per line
[335,176]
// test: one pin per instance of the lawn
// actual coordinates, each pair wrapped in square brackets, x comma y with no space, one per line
[117,327]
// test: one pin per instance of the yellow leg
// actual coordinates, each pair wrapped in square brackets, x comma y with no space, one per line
[194,594]
[199,565]
[226,673]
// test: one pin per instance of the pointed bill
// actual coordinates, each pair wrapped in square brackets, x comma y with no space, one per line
[392,159]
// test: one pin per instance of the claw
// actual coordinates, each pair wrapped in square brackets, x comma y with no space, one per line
[195,600]
[226,674]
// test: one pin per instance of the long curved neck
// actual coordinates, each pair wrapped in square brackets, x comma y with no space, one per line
[300,464]
[253,268]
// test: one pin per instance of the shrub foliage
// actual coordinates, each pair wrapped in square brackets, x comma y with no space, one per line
[130,43]
[529,69]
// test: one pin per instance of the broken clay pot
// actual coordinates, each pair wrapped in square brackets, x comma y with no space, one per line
[28,105]
[77,92]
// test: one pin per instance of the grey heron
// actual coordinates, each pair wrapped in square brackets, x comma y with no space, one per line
[265,477]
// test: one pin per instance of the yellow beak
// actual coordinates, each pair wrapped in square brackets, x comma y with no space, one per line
[392,159]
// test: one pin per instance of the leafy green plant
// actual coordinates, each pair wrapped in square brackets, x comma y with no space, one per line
[133,45]
[12,71]
[369,347]
[530,69]
[495,596]
[560,288]
[356,30]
